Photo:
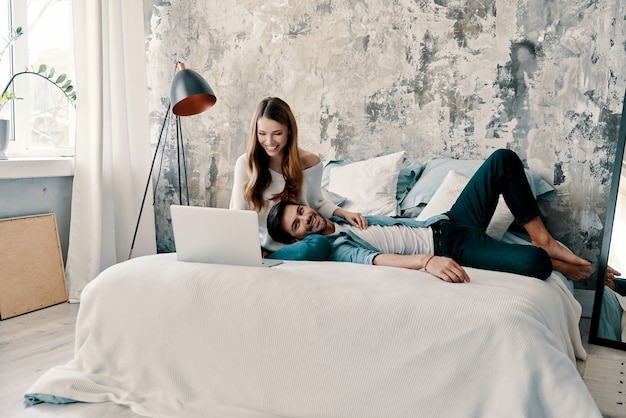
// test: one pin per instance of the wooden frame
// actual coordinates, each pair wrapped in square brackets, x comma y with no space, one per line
[32,275]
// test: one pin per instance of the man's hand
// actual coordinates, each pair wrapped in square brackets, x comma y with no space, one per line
[447,270]
[444,268]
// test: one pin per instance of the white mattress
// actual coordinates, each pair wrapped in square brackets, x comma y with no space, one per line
[322,339]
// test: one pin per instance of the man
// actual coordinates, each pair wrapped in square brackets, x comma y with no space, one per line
[441,244]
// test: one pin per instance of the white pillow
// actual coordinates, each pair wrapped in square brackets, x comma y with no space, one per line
[370,185]
[449,191]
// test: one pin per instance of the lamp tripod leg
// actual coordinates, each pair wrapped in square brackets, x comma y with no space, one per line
[145,192]
[184,155]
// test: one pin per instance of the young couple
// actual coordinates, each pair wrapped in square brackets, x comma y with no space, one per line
[282,182]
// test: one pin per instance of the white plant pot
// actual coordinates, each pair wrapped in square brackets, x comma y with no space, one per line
[5,136]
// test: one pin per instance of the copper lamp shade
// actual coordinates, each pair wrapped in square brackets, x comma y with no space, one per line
[190,93]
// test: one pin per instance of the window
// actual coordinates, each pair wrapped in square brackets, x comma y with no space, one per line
[42,119]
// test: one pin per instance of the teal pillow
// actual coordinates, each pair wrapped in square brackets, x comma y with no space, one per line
[409,173]
[434,172]
[541,188]
[436,169]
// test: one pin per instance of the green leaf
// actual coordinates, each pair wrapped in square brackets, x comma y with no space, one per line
[6,97]
[18,30]
[61,82]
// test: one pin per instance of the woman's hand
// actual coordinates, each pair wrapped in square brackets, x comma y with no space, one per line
[611,273]
[355,219]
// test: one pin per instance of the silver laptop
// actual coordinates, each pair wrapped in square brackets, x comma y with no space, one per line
[218,236]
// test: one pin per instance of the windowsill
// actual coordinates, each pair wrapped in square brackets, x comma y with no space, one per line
[32,167]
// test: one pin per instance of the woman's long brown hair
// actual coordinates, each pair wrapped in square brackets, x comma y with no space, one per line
[258,161]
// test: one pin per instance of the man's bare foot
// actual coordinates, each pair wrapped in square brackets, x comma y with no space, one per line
[557,251]
[572,271]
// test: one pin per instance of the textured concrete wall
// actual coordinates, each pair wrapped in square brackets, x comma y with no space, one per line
[368,77]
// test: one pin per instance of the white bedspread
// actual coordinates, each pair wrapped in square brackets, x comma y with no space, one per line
[323,339]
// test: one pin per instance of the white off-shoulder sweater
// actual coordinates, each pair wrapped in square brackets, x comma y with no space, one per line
[311,196]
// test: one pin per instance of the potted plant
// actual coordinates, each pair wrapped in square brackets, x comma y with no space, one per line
[59,81]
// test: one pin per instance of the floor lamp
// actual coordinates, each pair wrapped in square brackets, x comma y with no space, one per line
[190,95]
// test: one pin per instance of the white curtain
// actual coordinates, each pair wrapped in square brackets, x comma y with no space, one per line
[112,156]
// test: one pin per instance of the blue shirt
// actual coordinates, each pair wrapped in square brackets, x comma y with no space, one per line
[349,247]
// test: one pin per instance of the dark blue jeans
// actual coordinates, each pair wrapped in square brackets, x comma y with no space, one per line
[463,236]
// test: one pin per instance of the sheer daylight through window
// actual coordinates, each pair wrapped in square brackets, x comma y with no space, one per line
[40,56]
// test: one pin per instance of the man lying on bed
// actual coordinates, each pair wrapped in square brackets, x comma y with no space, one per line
[441,244]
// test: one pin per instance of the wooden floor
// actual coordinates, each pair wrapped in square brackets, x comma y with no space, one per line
[32,343]
[604,372]
[29,345]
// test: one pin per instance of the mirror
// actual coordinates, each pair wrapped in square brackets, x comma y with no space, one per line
[608,321]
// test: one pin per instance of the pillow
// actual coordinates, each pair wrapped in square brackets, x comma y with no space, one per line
[409,173]
[333,197]
[328,167]
[541,188]
[445,196]
[436,169]
[413,212]
[370,186]
[434,172]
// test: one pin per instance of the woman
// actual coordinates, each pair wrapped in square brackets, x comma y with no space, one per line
[275,169]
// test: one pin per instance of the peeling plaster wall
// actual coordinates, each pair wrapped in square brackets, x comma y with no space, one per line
[368,77]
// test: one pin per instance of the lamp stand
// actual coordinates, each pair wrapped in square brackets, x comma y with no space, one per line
[180,157]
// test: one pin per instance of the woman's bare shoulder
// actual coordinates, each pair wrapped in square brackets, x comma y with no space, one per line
[308,159]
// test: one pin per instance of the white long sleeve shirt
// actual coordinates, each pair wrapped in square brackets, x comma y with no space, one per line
[311,196]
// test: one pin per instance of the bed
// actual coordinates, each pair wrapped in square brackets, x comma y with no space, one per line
[323,339]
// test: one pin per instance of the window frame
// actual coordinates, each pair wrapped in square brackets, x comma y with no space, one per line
[22,143]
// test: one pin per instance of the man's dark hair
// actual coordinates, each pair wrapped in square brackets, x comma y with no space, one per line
[274,222]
